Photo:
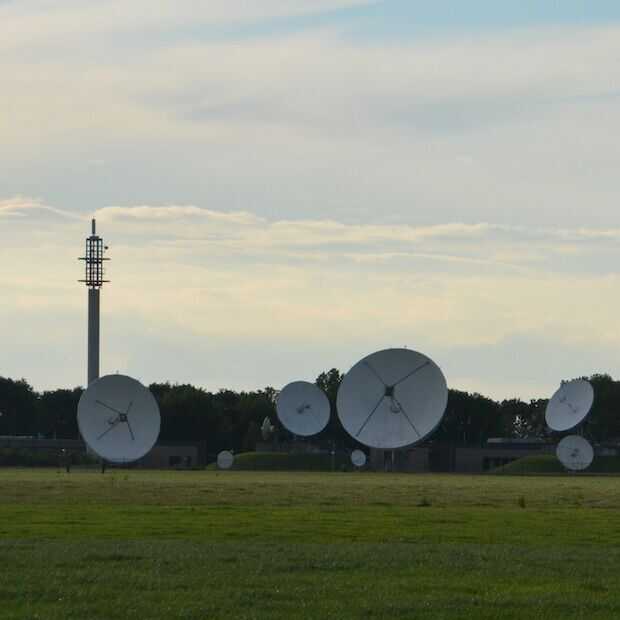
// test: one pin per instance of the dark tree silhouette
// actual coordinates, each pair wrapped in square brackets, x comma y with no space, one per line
[232,420]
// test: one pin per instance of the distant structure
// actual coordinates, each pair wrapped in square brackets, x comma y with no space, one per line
[266,429]
[94,281]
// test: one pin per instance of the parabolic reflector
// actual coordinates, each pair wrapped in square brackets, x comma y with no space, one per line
[575,453]
[570,405]
[118,418]
[392,399]
[225,459]
[358,458]
[303,408]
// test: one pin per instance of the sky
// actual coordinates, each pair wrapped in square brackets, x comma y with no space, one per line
[289,185]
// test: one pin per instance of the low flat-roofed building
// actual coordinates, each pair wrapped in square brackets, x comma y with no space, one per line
[448,457]
[163,455]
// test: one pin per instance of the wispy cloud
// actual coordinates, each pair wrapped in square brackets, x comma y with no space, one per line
[509,129]
[247,231]
[174,213]
[23,207]
[46,21]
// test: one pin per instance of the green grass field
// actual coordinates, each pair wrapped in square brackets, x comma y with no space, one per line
[549,464]
[243,545]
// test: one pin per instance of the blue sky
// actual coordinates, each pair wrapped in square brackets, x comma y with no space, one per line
[397,20]
[310,180]
[402,18]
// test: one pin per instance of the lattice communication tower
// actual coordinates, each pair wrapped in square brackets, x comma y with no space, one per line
[94,280]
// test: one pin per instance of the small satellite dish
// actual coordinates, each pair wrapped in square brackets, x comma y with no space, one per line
[225,459]
[358,458]
[267,429]
[392,399]
[569,405]
[575,453]
[118,418]
[303,408]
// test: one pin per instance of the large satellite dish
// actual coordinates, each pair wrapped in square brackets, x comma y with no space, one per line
[303,408]
[569,405]
[118,418]
[392,399]
[358,458]
[225,459]
[575,453]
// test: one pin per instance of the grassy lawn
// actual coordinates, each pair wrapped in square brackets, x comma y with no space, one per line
[131,544]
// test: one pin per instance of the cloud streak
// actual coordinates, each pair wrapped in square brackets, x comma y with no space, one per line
[246,230]
[313,124]
[22,207]
[48,22]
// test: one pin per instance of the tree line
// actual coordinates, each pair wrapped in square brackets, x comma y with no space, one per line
[232,420]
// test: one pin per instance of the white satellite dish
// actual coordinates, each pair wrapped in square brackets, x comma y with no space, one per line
[569,405]
[118,418]
[358,458]
[303,408]
[225,459]
[392,399]
[267,429]
[575,453]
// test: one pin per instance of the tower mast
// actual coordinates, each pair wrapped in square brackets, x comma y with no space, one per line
[94,281]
